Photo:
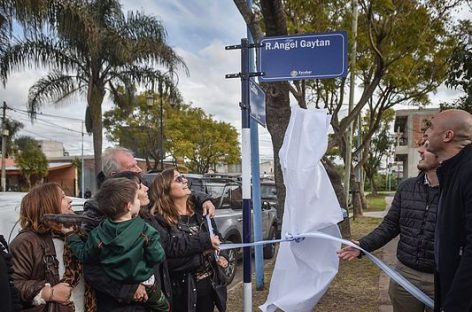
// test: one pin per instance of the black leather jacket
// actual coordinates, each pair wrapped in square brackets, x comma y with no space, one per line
[184,256]
[8,294]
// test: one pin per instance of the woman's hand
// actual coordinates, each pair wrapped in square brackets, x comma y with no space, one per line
[69,230]
[222,262]
[215,242]
[208,209]
[140,295]
[61,293]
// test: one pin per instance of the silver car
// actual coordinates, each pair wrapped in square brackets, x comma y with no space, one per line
[229,217]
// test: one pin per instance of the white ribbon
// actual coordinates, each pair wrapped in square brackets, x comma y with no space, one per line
[398,278]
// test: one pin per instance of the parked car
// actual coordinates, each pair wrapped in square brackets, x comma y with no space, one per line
[10,212]
[269,192]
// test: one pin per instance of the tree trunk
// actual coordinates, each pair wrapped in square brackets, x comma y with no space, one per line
[277,93]
[373,186]
[362,194]
[148,163]
[336,181]
[28,180]
[95,99]
[278,116]
[356,200]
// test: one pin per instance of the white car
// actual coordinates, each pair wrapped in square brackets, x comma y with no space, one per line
[10,212]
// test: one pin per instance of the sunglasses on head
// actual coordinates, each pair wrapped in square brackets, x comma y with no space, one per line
[180,179]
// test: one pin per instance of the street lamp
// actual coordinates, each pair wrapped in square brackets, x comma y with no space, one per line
[170,79]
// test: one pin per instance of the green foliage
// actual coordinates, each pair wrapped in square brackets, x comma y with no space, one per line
[31,160]
[189,133]
[375,202]
[402,56]
[380,144]
[383,183]
[460,72]
[13,127]
[29,13]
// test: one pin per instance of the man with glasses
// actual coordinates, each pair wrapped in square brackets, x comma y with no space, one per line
[119,159]
[116,160]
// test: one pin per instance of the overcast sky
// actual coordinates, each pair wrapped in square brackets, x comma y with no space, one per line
[198,31]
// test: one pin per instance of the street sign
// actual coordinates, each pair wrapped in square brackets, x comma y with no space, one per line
[257,102]
[311,56]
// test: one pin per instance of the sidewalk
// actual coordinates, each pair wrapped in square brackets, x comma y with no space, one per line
[389,257]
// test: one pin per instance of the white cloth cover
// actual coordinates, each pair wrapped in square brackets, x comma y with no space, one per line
[304,270]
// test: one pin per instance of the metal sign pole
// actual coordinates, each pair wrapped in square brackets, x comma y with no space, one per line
[246,173]
[256,186]
[245,74]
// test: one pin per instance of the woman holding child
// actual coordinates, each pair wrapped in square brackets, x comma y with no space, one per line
[111,294]
[197,281]
[38,251]
[126,246]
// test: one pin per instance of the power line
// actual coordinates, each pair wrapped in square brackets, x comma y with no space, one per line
[22,118]
[44,114]
[35,134]
[46,122]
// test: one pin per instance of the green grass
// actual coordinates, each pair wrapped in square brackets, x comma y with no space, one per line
[376,202]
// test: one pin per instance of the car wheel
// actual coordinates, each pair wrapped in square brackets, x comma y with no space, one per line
[269,249]
[230,270]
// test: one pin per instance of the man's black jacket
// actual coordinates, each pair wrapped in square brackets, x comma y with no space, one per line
[413,217]
[454,233]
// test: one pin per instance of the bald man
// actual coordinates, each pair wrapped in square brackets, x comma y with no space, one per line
[450,138]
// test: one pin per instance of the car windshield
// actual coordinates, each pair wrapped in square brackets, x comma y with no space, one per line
[268,191]
[215,189]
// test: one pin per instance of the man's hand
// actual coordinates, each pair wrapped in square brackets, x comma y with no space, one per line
[208,208]
[349,253]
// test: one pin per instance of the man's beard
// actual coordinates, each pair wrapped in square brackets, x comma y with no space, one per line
[425,167]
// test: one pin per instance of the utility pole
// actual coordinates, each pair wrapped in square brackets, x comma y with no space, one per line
[161,124]
[4,147]
[82,167]
[348,157]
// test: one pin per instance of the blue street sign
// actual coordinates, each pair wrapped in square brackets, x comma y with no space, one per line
[311,56]
[257,102]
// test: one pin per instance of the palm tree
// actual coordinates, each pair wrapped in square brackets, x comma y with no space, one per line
[29,13]
[94,48]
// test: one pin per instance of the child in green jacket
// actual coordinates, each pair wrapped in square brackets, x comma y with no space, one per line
[124,244]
